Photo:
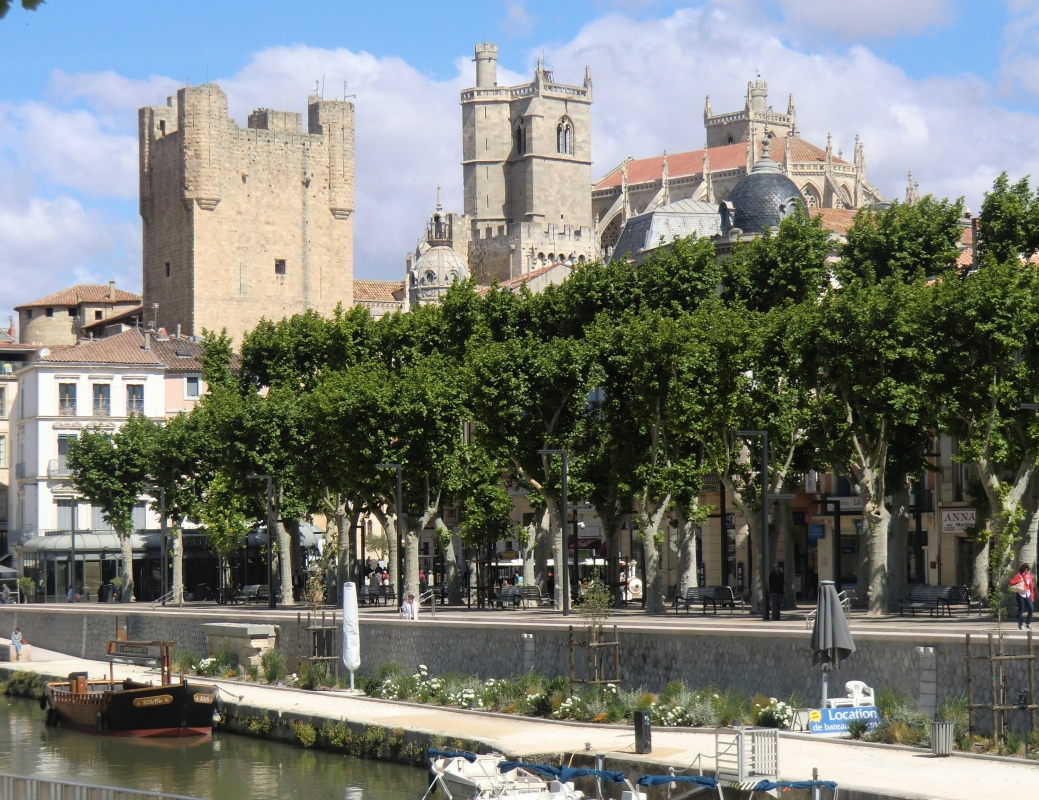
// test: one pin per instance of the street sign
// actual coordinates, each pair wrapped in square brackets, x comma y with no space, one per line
[837,720]
[816,531]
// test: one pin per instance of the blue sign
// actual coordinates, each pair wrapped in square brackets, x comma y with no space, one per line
[816,531]
[837,720]
[730,520]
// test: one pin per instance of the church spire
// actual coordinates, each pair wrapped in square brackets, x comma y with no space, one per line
[912,190]
[625,208]
[439,206]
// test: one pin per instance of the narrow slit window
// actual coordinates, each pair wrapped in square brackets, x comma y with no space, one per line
[167,269]
[279,266]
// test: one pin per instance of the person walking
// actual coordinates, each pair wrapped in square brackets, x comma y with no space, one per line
[1023,585]
[5,595]
[410,608]
[776,587]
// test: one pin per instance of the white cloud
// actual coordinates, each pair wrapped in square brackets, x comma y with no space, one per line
[518,20]
[855,19]
[1019,67]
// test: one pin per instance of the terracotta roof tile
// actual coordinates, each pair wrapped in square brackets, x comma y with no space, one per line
[179,355]
[82,293]
[376,291]
[727,156]
[837,220]
[123,348]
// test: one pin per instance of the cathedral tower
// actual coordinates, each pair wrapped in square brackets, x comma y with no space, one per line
[526,167]
[244,223]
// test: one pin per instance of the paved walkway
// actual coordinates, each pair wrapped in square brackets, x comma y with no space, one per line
[901,773]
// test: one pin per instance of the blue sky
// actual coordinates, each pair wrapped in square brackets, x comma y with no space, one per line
[944,88]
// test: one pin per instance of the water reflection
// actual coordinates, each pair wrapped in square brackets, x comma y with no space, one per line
[221,767]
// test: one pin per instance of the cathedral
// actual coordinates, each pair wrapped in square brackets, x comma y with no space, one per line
[530,203]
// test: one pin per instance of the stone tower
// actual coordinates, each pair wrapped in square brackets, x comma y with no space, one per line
[244,223]
[751,124]
[526,170]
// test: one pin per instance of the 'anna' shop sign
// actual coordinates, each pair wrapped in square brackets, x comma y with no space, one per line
[957,520]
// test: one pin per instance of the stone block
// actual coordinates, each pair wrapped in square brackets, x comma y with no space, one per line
[247,641]
[8,653]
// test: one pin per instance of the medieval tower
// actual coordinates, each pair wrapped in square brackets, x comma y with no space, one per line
[526,170]
[244,223]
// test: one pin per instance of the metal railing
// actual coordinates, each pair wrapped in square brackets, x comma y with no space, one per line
[845,604]
[134,407]
[67,408]
[102,408]
[742,754]
[20,787]
[161,601]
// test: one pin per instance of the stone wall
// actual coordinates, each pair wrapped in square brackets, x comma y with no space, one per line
[776,664]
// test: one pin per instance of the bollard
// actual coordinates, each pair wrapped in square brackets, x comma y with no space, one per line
[643,733]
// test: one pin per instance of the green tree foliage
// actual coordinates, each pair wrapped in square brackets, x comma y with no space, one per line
[28,5]
[111,472]
[1009,224]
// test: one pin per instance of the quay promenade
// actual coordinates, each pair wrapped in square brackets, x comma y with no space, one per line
[863,771]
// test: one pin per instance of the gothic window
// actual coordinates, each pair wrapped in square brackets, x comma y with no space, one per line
[811,196]
[521,140]
[565,137]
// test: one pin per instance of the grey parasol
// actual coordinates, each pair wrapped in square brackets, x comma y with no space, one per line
[831,636]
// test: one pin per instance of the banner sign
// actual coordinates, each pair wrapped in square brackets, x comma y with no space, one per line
[957,520]
[816,531]
[837,720]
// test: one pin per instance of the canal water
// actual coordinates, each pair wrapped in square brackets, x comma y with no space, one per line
[219,767]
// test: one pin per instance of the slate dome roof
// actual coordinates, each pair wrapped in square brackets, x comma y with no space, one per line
[761,199]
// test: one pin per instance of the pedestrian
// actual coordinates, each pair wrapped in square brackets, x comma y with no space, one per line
[776,588]
[1023,585]
[410,608]
[17,641]
[5,595]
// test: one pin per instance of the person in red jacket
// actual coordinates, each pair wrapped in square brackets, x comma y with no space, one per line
[1023,585]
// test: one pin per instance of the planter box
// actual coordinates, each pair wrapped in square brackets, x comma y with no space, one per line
[247,641]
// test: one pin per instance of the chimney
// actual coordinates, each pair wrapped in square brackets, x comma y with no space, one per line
[147,340]
[111,291]
[178,330]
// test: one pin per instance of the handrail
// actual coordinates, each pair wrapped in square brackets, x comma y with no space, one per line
[163,600]
[845,602]
[430,594]
[23,786]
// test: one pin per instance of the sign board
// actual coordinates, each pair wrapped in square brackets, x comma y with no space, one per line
[730,520]
[811,481]
[853,503]
[957,520]
[816,531]
[134,651]
[798,517]
[837,720]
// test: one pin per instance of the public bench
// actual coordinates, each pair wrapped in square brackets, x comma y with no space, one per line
[921,598]
[387,595]
[697,594]
[725,596]
[508,595]
[532,594]
[252,593]
[961,596]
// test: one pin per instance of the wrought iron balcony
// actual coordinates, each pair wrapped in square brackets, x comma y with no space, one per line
[102,408]
[67,408]
[134,407]
[57,468]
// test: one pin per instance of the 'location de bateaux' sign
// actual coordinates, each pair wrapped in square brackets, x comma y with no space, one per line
[837,720]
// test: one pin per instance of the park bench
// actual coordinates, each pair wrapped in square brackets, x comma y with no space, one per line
[961,596]
[508,595]
[532,594]
[697,594]
[250,594]
[928,598]
[726,597]
[387,595]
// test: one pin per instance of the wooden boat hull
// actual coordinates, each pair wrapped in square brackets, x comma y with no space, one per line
[129,709]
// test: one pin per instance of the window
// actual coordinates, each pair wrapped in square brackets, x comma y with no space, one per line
[521,140]
[3,402]
[64,514]
[50,312]
[140,517]
[279,266]
[102,400]
[63,452]
[134,399]
[191,386]
[3,450]
[97,520]
[565,137]
[167,269]
[72,312]
[99,315]
[66,399]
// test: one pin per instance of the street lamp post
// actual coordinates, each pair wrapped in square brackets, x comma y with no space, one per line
[72,570]
[400,532]
[565,571]
[273,600]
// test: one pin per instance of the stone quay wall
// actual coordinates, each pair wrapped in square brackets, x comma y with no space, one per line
[928,667]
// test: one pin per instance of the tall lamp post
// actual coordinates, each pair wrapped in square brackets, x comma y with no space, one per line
[565,571]
[400,533]
[272,597]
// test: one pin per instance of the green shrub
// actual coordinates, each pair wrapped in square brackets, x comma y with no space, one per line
[305,733]
[1012,743]
[858,728]
[252,672]
[187,662]
[900,721]
[954,710]
[259,725]
[313,676]
[273,665]
[24,684]
[730,705]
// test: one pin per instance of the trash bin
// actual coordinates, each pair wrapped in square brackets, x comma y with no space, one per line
[941,738]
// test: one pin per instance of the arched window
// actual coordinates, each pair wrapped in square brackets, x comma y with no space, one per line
[565,137]
[521,139]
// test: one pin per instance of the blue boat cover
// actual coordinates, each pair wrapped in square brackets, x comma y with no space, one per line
[562,774]
[659,780]
[470,757]
[766,786]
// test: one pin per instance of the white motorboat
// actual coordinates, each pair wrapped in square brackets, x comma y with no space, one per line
[467,776]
